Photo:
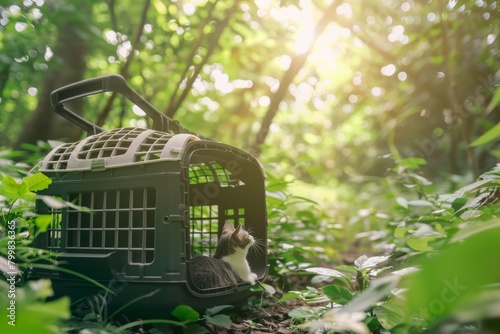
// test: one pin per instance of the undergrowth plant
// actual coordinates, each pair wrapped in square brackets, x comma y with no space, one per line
[183,318]
[434,273]
[23,305]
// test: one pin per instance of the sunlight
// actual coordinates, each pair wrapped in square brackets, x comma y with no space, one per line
[302,21]
[305,36]
[325,52]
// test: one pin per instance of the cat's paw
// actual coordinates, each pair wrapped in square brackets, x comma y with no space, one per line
[252,278]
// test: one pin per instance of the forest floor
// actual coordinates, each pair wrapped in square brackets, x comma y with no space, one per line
[270,315]
[270,318]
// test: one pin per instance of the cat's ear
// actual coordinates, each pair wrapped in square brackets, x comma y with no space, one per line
[228,226]
[237,230]
[236,233]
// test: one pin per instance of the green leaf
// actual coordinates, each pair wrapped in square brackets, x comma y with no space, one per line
[490,135]
[389,315]
[195,329]
[420,243]
[52,310]
[402,201]
[420,207]
[350,269]
[475,228]
[300,313]
[263,287]
[36,182]
[422,180]
[405,271]
[412,163]
[372,323]
[378,290]
[32,313]
[186,313]
[495,153]
[220,320]
[11,189]
[471,187]
[458,203]
[373,261]
[42,222]
[325,271]
[330,272]
[338,294]
[40,289]
[216,309]
[270,290]
[440,229]
[495,101]
[471,214]
[400,231]
[28,196]
[289,296]
[360,260]
[453,275]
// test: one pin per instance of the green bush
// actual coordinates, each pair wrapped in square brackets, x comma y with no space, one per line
[438,267]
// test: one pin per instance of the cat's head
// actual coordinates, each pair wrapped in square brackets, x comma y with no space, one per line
[233,239]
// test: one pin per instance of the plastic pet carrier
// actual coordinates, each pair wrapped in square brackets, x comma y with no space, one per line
[153,199]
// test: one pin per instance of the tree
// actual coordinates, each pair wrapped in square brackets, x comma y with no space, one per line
[381,78]
[71,49]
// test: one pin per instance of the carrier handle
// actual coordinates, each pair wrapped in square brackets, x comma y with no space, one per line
[107,83]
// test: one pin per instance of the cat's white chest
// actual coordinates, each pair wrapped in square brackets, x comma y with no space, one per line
[239,264]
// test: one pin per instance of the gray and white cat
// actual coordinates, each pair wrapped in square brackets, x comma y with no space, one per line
[229,265]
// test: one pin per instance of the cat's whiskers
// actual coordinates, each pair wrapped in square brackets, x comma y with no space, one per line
[258,247]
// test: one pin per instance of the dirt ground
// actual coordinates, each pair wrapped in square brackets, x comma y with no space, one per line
[271,318]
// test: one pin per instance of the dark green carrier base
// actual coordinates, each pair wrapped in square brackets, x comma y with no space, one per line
[156,300]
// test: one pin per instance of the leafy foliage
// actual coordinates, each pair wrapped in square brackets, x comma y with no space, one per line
[24,307]
[217,66]
[32,313]
[407,290]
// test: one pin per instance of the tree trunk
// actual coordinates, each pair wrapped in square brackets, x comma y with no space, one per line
[68,66]
[297,63]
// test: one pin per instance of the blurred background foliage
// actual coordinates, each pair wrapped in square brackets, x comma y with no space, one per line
[377,122]
[324,89]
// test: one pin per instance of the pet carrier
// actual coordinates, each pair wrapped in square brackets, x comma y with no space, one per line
[140,203]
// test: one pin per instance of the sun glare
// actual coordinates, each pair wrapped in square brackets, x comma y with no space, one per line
[324,50]
[305,35]
[302,21]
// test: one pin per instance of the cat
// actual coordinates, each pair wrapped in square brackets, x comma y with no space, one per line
[229,265]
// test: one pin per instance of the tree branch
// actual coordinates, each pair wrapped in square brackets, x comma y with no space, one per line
[174,101]
[124,70]
[296,64]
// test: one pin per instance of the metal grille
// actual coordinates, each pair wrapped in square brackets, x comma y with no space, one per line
[122,220]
